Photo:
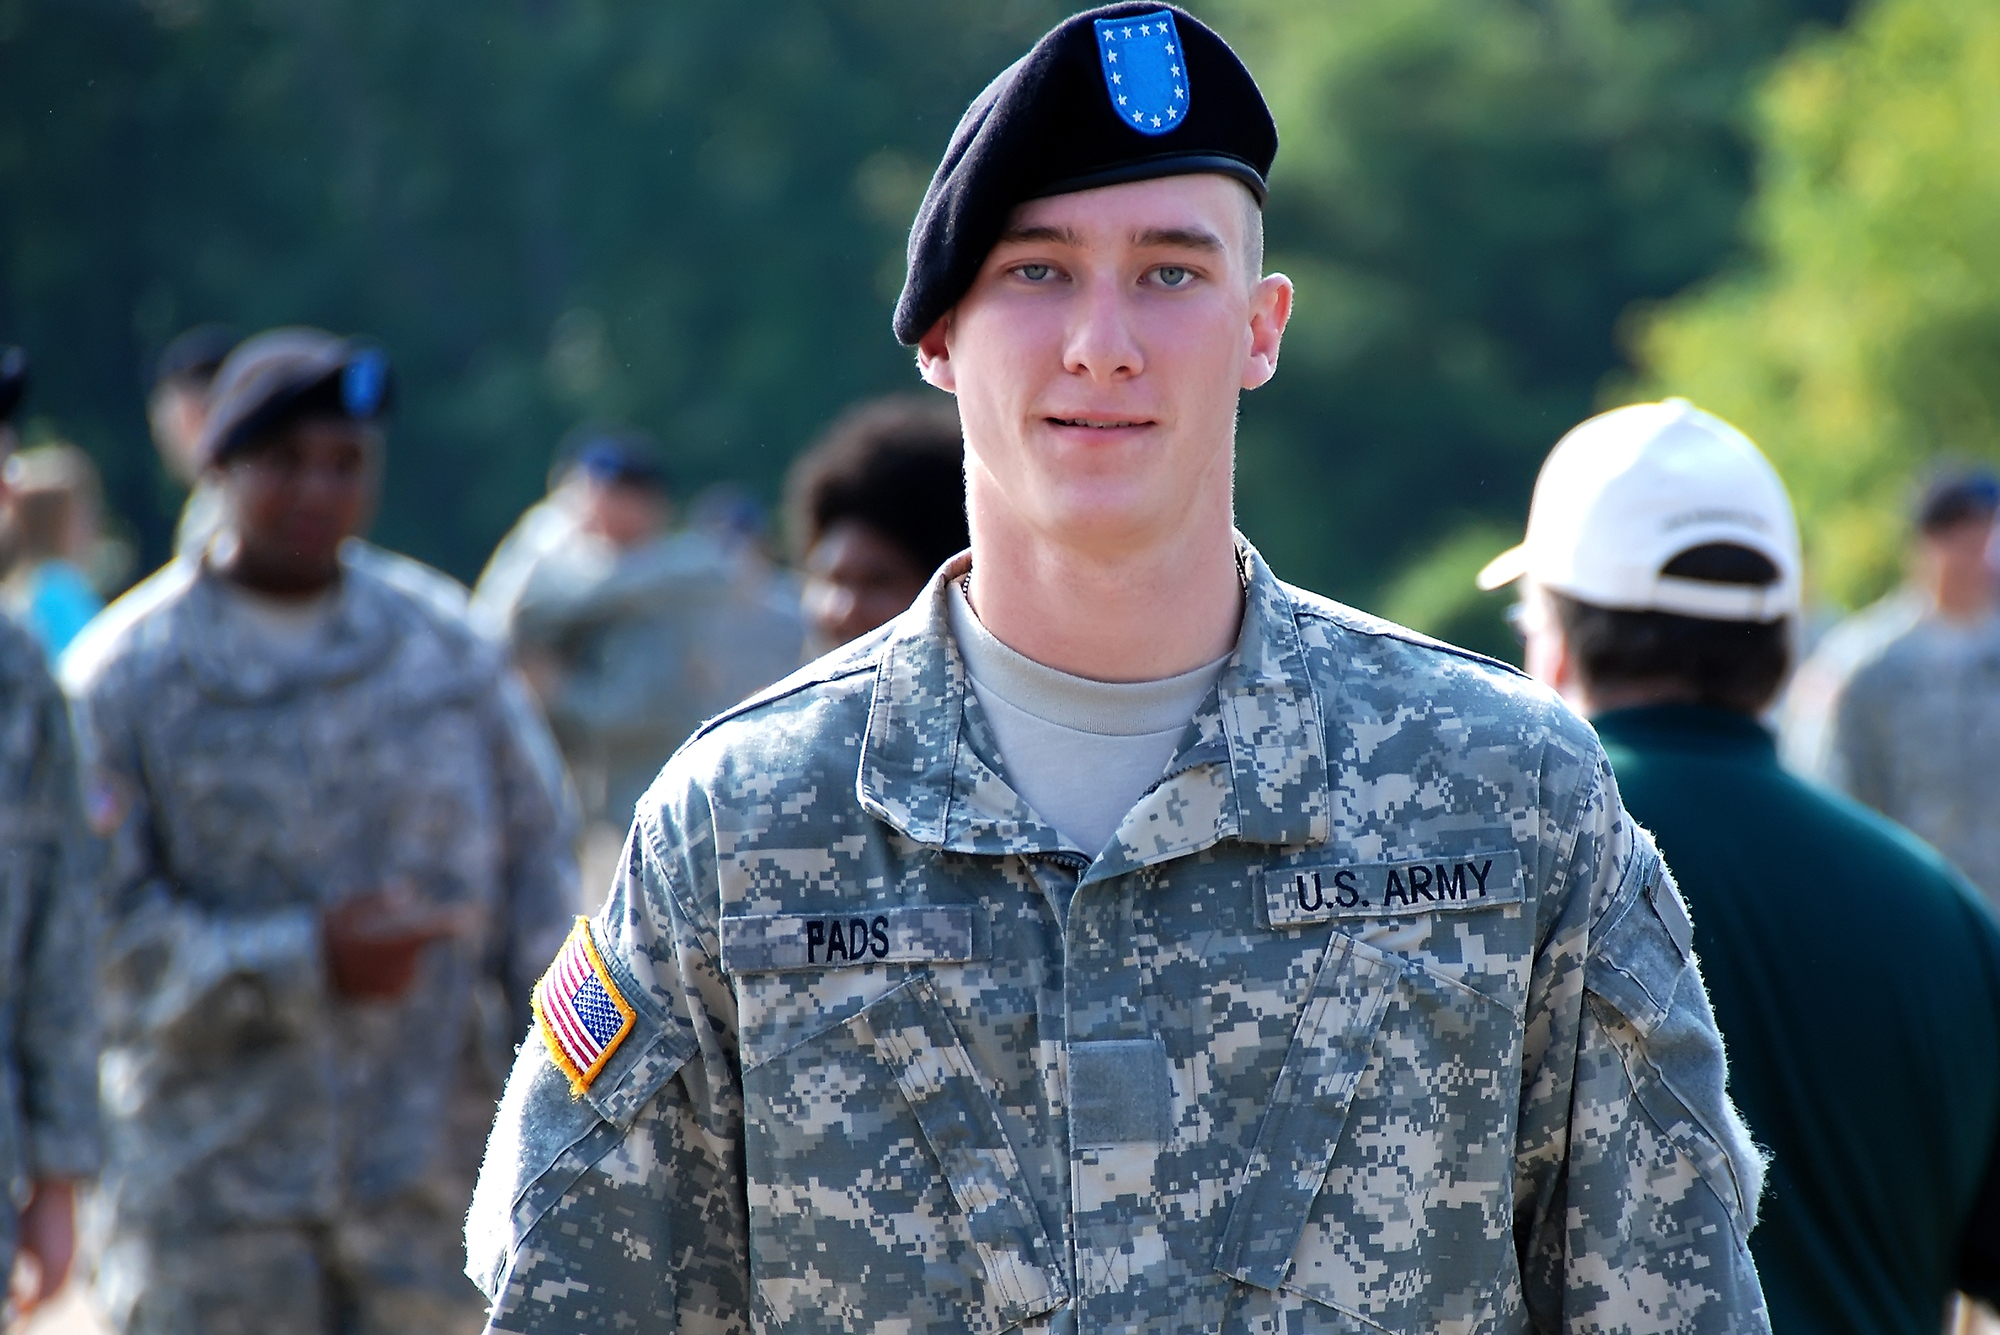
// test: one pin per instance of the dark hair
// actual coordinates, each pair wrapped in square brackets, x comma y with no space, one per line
[896,464]
[1735,665]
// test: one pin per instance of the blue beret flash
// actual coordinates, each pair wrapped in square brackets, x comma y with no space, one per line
[364,383]
[1143,71]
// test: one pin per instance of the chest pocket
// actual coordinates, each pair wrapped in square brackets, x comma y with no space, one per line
[1381,1184]
[875,1147]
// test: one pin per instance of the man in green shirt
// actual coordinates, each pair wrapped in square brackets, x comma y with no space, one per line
[1855,976]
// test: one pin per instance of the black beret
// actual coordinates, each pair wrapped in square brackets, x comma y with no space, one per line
[283,375]
[13,380]
[1127,92]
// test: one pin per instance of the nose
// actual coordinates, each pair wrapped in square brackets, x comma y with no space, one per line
[1101,342]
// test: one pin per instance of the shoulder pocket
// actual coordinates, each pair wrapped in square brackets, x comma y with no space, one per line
[545,1138]
[1642,970]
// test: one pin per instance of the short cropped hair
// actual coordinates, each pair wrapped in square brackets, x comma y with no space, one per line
[895,464]
[1735,665]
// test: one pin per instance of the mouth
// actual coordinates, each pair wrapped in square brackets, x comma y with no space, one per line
[1098,423]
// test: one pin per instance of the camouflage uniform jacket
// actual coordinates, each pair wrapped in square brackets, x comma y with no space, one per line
[245,792]
[1376,1014]
[1916,727]
[48,1030]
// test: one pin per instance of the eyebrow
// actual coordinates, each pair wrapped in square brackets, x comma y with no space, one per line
[1060,236]
[1190,238]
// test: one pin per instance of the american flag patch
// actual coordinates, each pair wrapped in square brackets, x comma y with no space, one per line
[580,1011]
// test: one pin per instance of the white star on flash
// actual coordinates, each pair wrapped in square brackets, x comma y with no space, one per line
[1121,99]
[1177,92]
[1174,70]
[1138,115]
[1128,32]
[1156,120]
[1170,48]
[1118,78]
[1172,112]
[1144,31]
[1111,56]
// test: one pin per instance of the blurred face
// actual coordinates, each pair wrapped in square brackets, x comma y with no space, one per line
[1098,358]
[177,412]
[856,580]
[295,499]
[1955,564]
[624,515]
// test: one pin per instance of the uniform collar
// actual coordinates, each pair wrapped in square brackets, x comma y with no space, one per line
[1251,767]
[231,664]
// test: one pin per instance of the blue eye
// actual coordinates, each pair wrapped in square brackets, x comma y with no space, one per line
[1034,273]
[1172,275]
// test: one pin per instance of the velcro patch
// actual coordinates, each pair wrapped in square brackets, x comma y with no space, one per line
[580,1011]
[905,935]
[1294,896]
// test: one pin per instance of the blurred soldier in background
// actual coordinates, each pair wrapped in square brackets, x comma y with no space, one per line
[631,633]
[48,1037]
[874,506]
[1909,692]
[177,409]
[339,856]
[1855,976]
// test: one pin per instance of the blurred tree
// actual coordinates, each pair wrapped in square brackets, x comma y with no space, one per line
[691,217]
[1865,340]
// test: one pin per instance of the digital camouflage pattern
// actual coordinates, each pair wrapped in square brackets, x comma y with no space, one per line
[1276,1060]
[244,791]
[48,1018]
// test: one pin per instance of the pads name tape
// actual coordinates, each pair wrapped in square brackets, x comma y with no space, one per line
[580,1011]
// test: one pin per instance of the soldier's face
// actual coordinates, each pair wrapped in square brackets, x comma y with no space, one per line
[294,500]
[1098,358]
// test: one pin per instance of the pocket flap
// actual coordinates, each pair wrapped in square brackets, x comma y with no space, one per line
[1331,1046]
[911,1033]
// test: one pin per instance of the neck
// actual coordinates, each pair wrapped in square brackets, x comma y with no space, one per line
[1138,614]
[1635,695]
[273,578]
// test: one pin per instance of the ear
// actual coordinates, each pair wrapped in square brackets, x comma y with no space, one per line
[1270,310]
[934,356]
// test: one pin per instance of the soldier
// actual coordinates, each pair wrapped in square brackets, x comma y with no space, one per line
[339,858]
[1908,690]
[48,1119]
[1659,578]
[1122,939]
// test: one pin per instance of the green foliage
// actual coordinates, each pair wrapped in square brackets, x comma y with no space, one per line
[1435,593]
[1867,340]
[691,217]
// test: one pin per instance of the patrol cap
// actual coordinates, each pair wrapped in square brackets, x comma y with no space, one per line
[1958,495]
[1126,92]
[13,380]
[282,375]
[1626,492]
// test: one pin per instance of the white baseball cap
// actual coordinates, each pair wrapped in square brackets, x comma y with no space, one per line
[1629,490]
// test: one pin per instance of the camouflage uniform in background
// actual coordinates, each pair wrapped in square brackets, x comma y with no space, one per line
[1915,734]
[652,643]
[1378,1013]
[48,1025]
[283,1161]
